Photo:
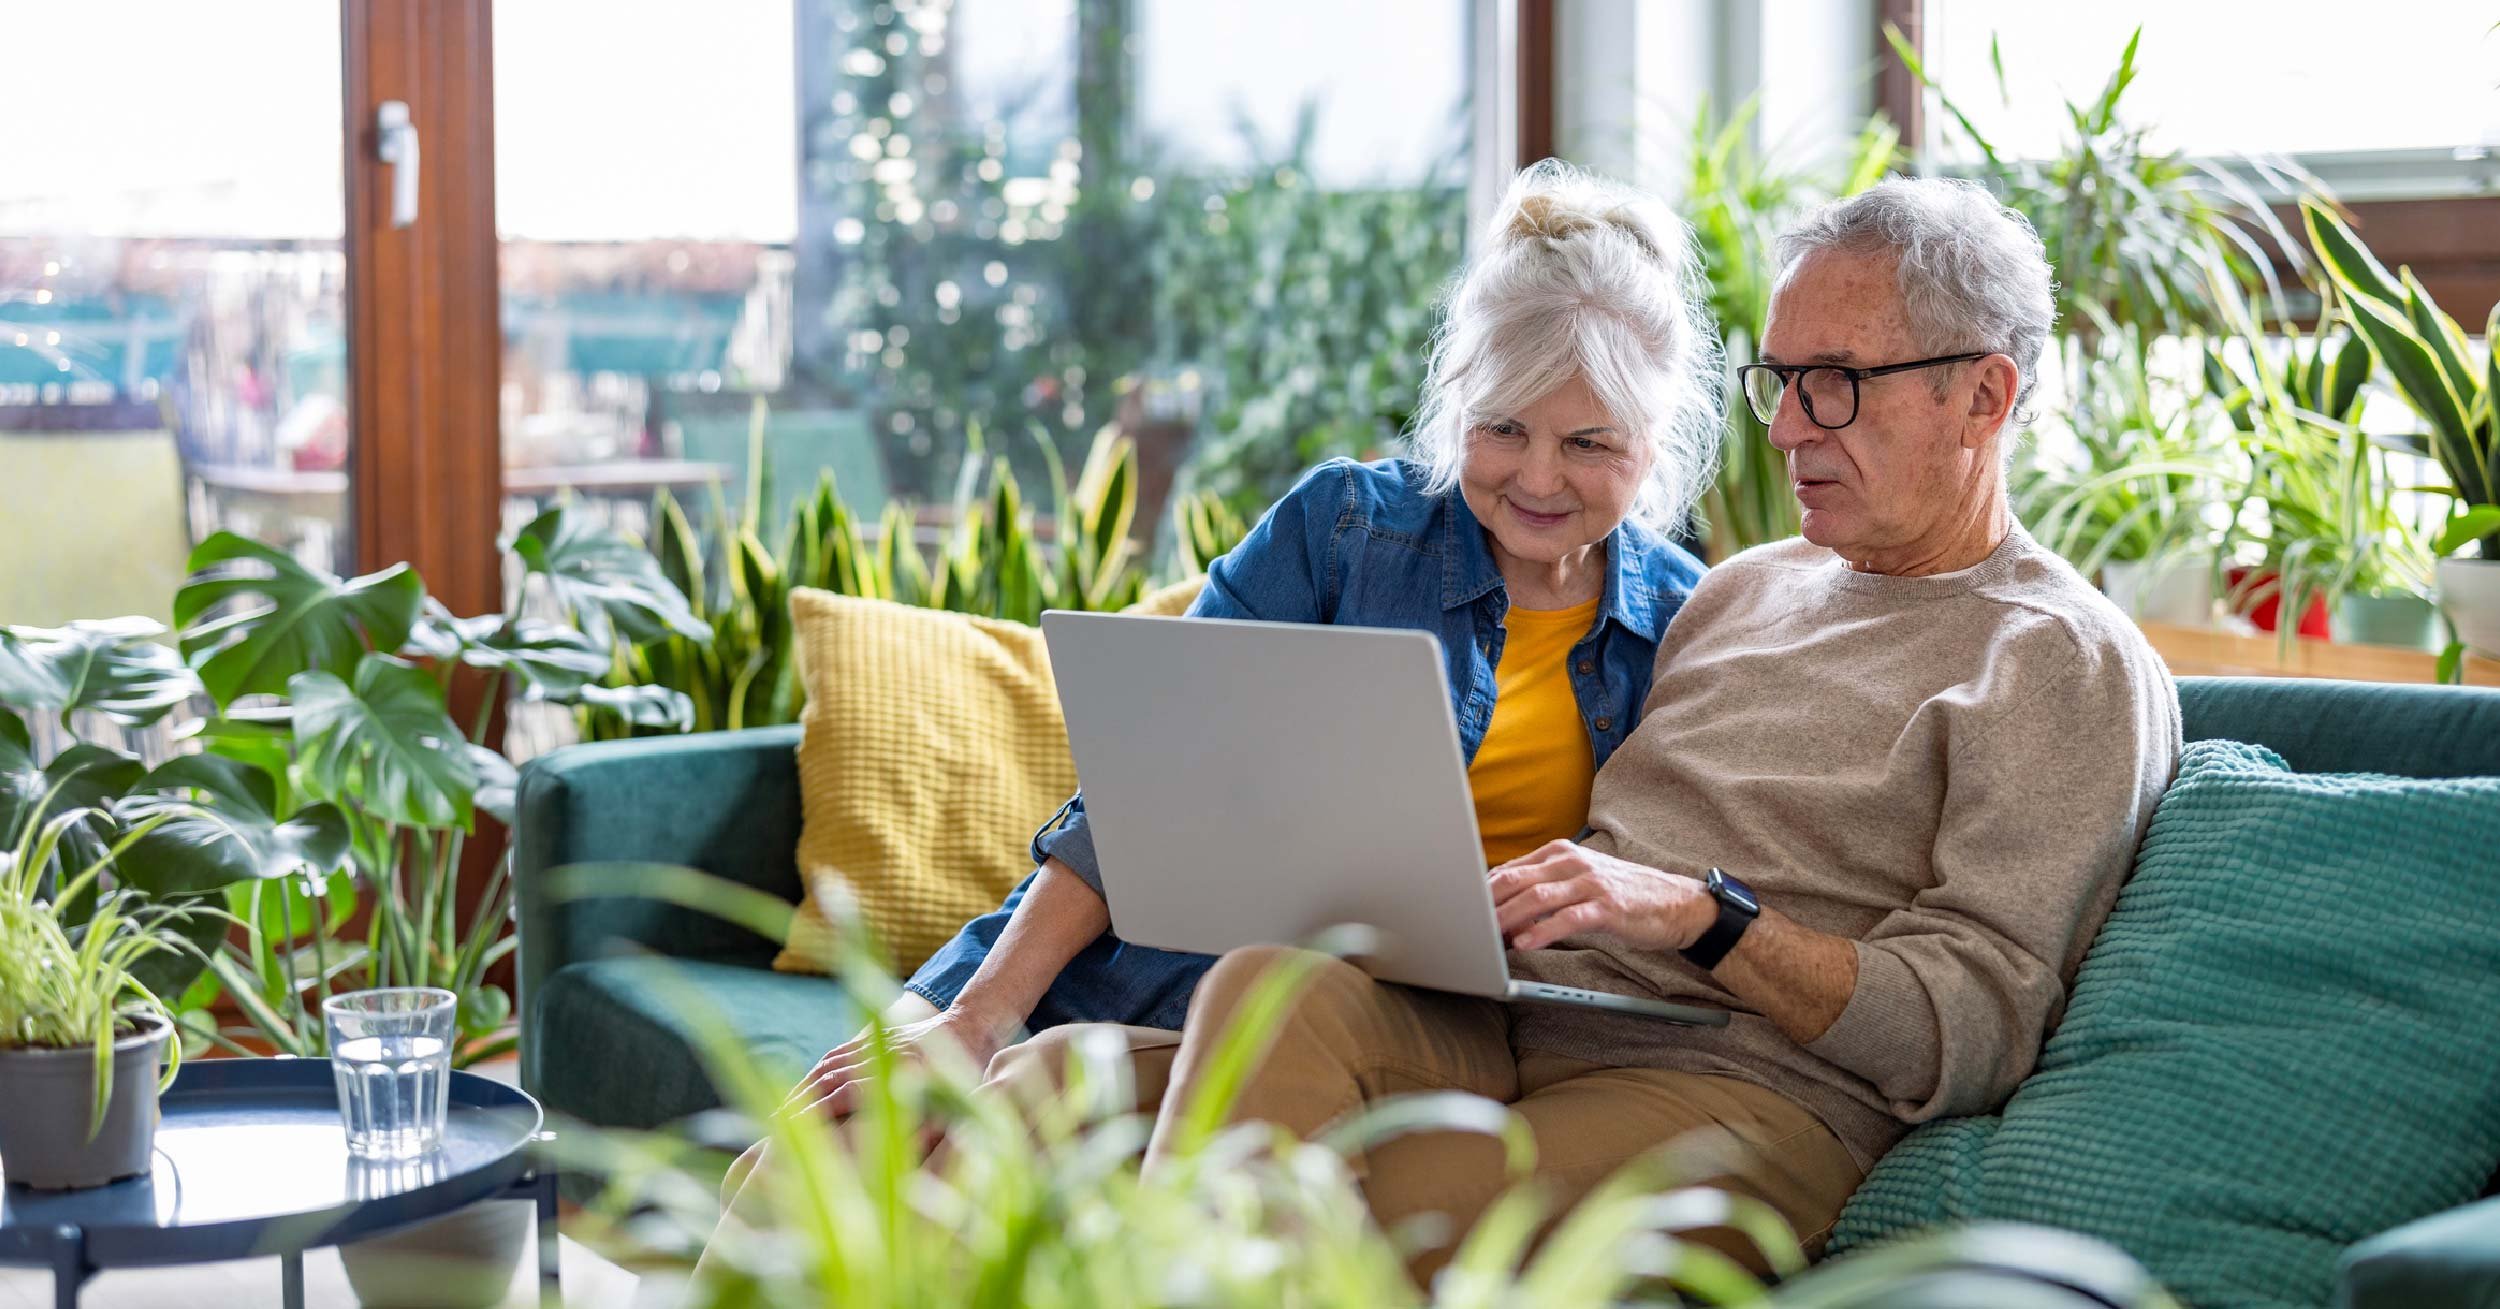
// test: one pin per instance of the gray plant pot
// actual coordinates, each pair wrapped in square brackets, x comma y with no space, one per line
[47,1097]
[462,1260]
[2400,620]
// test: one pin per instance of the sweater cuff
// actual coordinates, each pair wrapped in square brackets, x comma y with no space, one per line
[1887,1033]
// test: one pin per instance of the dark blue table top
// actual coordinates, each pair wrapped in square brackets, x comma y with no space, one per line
[251,1159]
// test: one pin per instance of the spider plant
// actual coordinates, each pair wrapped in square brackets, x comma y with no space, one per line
[2139,471]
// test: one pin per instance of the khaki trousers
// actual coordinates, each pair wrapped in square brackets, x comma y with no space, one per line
[1350,1040]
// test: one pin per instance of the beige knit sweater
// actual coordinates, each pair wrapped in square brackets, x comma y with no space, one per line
[1952,771]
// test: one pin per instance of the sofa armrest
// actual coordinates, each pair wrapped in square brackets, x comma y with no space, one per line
[2450,1259]
[724,802]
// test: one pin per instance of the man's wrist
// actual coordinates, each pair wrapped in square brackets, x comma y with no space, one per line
[1732,910]
[1701,913]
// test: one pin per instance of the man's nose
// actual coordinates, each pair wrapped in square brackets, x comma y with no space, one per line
[1790,428]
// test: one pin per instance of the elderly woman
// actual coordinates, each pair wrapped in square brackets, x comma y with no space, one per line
[1570,417]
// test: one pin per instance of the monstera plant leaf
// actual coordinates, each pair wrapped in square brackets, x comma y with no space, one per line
[383,744]
[220,826]
[263,737]
[609,583]
[498,783]
[88,777]
[109,665]
[642,706]
[292,619]
[541,654]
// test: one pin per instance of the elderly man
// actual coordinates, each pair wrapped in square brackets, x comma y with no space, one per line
[1887,783]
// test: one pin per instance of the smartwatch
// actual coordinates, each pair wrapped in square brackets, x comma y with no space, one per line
[1737,910]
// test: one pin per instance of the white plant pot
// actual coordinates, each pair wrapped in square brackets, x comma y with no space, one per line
[465,1259]
[2176,591]
[2469,591]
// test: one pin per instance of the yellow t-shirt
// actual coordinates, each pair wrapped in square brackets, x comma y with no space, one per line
[1531,775]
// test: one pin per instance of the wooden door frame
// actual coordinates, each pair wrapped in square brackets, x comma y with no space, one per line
[425,340]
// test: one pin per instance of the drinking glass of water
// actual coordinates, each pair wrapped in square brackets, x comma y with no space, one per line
[391,1053]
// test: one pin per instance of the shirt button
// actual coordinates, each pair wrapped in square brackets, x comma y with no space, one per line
[1587,666]
[1604,724]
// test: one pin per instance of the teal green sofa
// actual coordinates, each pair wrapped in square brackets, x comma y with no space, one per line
[603,1039]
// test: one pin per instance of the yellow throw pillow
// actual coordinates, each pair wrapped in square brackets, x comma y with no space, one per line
[930,750]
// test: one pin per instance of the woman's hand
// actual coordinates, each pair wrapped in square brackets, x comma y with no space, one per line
[833,1087]
[1562,889]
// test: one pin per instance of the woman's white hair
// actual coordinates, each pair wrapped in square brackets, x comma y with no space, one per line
[1581,277]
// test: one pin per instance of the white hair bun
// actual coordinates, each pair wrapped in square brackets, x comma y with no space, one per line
[1554,202]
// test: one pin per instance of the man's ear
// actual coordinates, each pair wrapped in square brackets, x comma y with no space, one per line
[1991,400]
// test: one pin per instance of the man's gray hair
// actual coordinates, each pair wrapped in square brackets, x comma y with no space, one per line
[1972,272]
[1581,276]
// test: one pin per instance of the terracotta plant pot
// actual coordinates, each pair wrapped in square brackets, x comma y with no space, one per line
[50,1098]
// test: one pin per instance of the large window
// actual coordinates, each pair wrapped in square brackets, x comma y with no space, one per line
[2398,97]
[910,228]
[172,343]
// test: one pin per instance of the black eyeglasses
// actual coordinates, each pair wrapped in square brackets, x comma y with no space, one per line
[1828,392]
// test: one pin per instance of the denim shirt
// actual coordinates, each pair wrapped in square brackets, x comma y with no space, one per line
[1361,544]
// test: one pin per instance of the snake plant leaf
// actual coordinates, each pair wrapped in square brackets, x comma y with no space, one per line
[2347,261]
[383,744]
[678,547]
[2440,333]
[2351,369]
[2472,525]
[113,666]
[221,826]
[2416,372]
[605,580]
[292,619]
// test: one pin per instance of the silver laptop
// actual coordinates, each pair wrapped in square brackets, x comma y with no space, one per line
[1256,783]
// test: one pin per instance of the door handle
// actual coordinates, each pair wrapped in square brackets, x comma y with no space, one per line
[397,147]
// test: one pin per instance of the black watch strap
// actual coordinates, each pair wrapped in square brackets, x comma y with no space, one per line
[1737,910]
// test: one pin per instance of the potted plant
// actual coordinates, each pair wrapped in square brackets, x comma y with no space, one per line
[338,689]
[2138,495]
[2319,506]
[2428,357]
[82,1038]
[103,866]
[2332,536]
[330,714]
